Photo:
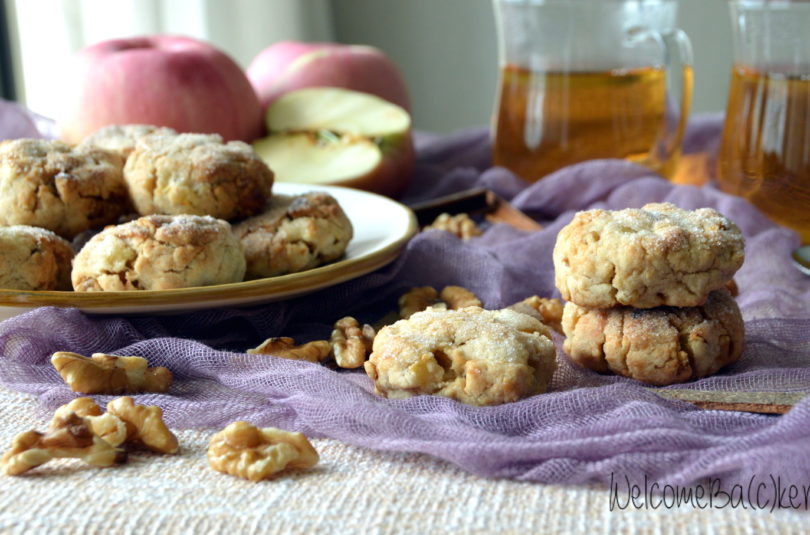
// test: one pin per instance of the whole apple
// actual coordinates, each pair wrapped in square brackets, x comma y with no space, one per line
[163,80]
[291,65]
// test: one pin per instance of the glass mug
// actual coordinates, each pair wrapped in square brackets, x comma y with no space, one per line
[586,79]
[765,149]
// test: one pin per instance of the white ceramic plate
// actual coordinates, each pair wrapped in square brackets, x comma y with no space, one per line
[382,227]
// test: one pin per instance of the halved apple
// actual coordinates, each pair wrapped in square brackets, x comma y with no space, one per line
[333,136]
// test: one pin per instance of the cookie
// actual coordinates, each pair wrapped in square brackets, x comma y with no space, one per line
[476,356]
[197,174]
[121,139]
[49,184]
[159,252]
[32,258]
[659,346]
[653,256]
[295,233]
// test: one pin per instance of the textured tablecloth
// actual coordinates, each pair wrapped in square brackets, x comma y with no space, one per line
[352,490]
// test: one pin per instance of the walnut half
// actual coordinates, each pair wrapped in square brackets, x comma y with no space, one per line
[106,426]
[351,343]
[70,435]
[285,347]
[246,451]
[110,374]
[144,425]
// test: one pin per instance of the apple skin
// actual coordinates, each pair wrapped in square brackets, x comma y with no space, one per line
[393,176]
[291,65]
[162,80]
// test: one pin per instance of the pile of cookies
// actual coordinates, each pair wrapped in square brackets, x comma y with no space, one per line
[646,292]
[148,208]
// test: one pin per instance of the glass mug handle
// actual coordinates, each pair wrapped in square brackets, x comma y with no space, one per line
[676,55]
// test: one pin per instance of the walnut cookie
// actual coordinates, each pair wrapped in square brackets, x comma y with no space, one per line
[476,356]
[294,233]
[659,346]
[32,258]
[197,174]
[653,256]
[64,189]
[160,252]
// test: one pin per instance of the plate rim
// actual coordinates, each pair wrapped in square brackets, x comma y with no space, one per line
[288,285]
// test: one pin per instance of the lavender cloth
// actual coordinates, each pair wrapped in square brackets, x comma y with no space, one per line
[586,428]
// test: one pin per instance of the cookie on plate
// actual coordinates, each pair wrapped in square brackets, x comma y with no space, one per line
[295,233]
[476,356]
[32,258]
[49,184]
[653,256]
[121,138]
[659,346]
[159,252]
[197,174]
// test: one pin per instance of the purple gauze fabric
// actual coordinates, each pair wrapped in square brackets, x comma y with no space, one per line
[588,427]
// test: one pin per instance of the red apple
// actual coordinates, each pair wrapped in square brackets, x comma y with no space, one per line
[339,137]
[163,80]
[291,65]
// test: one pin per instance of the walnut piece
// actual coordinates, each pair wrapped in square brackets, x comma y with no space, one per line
[110,374]
[732,288]
[69,436]
[460,225]
[106,426]
[144,425]
[245,451]
[458,297]
[285,347]
[550,310]
[351,344]
[418,299]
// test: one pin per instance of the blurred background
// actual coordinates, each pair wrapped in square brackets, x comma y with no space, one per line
[445,48]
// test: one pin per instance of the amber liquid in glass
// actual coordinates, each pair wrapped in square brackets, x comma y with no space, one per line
[547,120]
[765,150]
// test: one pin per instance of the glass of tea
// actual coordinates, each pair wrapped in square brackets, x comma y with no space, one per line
[586,79]
[765,149]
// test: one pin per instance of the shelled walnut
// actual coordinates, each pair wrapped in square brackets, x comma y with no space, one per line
[144,425]
[458,297]
[351,344]
[106,426]
[418,299]
[459,225]
[70,436]
[550,310]
[110,374]
[285,347]
[245,451]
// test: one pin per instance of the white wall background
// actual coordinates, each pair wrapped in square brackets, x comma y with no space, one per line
[445,48]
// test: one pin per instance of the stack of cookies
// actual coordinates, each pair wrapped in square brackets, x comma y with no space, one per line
[647,292]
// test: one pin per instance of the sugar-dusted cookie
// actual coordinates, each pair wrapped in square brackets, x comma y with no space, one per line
[159,252]
[659,346]
[121,138]
[293,234]
[648,257]
[476,356]
[49,184]
[32,258]
[197,174]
